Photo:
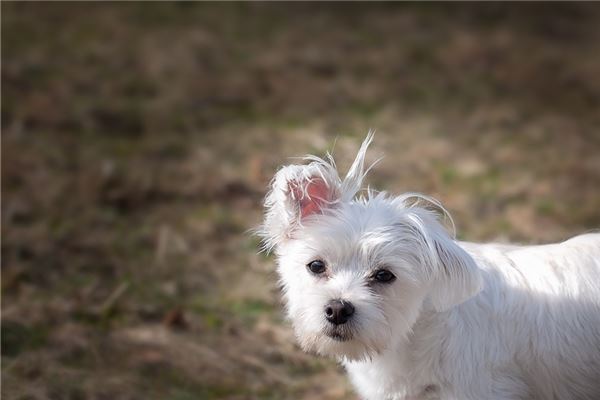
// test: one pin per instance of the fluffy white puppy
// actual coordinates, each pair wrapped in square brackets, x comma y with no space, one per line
[377,283]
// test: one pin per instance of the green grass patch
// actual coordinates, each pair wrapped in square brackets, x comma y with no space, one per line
[248,311]
[18,338]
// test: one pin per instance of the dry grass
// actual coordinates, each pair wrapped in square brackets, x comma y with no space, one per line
[138,141]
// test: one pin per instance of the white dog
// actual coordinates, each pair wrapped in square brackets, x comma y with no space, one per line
[378,283]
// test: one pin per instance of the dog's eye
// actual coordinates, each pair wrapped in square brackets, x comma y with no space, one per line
[383,276]
[316,267]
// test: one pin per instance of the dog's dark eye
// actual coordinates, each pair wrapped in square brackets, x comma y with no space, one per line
[383,276]
[316,267]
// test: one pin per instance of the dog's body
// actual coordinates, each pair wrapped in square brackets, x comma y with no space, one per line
[378,284]
[533,332]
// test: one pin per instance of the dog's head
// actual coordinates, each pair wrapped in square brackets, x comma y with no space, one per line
[356,271]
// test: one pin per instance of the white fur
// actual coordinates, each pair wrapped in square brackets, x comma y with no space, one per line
[461,321]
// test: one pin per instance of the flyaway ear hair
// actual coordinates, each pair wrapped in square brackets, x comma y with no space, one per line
[299,191]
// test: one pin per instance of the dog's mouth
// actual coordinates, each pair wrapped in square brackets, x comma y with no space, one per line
[339,334]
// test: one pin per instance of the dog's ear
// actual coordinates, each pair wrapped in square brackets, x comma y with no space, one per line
[452,273]
[298,192]
[456,278]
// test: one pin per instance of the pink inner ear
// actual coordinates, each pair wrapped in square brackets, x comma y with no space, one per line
[316,195]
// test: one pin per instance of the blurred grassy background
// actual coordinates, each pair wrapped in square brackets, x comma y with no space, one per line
[138,141]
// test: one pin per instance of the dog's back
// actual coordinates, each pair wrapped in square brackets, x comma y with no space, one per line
[545,308]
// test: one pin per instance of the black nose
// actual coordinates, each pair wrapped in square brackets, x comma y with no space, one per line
[339,312]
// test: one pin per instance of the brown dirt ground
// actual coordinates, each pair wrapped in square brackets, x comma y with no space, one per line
[138,141]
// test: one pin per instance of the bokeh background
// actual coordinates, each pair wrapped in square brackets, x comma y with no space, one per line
[138,141]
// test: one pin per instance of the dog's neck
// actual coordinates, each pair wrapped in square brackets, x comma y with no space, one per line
[407,364]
